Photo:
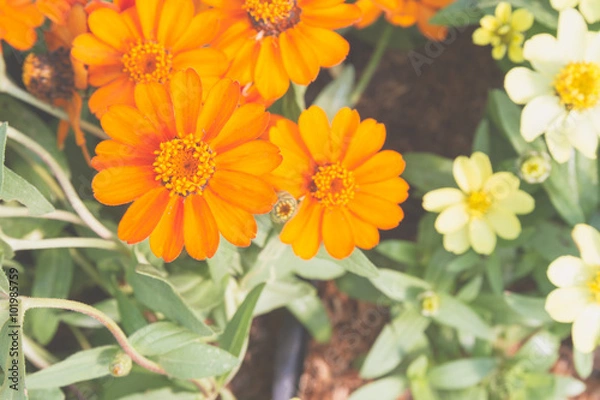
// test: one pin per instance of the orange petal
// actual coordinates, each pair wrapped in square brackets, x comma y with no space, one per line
[241,64]
[383,165]
[246,123]
[366,236]
[119,91]
[110,153]
[110,28]
[370,13]
[337,233]
[200,230]
[200,31]
[120,185]
[343,129]
[152,99]
[16,33]
[330,47]
[244,191]
[256,157]
[335,17]
[141,217]
[166,240]
[299,59]
[128,125]
[435,32]
[365,143]
[236,225]
[186,94]
[149,12]
[222,100]
[174,20]
[376,211]
[100,75]
[394,189]
[269,74]
[206,61]
[315,131]
[88,49]
[303,231]
[405,15]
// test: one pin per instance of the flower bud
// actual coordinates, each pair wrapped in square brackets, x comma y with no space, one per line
[534,167]
[284,209]
[120,365]
[430,303]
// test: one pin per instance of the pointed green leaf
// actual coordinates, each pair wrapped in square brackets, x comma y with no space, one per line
[357,263]
[389,388]
[397,285]
[454,313]
[12,356]
[401,251]
[426,171]
[46,394]
[462,373]
[337,92]
[197,360]
[280,293]
[16,188]
[161,337]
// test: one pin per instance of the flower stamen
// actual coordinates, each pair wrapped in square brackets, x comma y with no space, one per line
[333,185]
[594,286]
[272,17]
[148,62]
[578,85]
[478,203]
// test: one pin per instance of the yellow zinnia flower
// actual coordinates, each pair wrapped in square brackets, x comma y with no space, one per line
[577,298]
[483,207]
[504,31]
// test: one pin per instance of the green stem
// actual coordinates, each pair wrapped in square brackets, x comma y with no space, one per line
[113,328]
[36,354]
[64,182]
[58,215]
[371,67]
[89,269]
[59,243]
[9,87]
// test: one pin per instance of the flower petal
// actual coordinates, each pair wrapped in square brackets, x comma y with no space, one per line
[143,215]
[452,219]
[344,128]
[539,115]
[522,85]
[466,174]
[222,100]
[394,189]
[365,143]
[202,29]
[366,236]
[244,191]
[315,131]
[185,90]
[518,202]
[149,14]
[330,47]
[235,224]
[166,240]
[590,10]
[457,242]
[246,123]
[504,223]
[270,77]
[256,157]
[129,126]
[586,329]
[119,91]
[568,271]
[174,20]
[384,165]
[111,29]
[571,35]
[584,137]
[481,236]
[304,231]
[200,231]
[120,185]
[88,49]
[337,233]
[439,199]
[566,304]
[543,52]
[374,210]
[587,240]
[205,61]
[299,60]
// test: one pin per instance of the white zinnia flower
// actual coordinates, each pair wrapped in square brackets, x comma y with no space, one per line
[589,8]
[483,207]
[577,298]
[562,93]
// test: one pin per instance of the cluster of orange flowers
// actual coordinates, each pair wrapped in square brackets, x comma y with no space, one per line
[181,89]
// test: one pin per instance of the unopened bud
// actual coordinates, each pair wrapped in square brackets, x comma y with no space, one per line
[120,365]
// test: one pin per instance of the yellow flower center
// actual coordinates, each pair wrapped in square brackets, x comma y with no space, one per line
[594,286]
[148,62]
[535,168]
[333,185]
[578,85]
[478,203]
[271,17]
[184,165]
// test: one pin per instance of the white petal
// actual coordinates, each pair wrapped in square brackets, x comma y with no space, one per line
[562,4]
[594,114]
[592,48]
[481,236]
[538,115]
[483,165]
[523,84]
[543,52]
[586,329]
[466,174]
[452,219]
[567,271]
[457,242]
[587,240]
[565,304]
[590,10]
[571,35]
[504,223]
[558,144]
[439,199]
[584,138]
[518,202]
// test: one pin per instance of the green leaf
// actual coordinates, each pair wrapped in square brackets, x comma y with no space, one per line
[454,313]
[584,363]
[469,291]
[464,262]
[481,141]
[337,92]
[539,353]
[401,251]
[461,374]
[46,394]
[383,389]
[4,285]
[53,277]
[12,356]
[552,241]
[459,13]
[493,271]
[567,386]
[280,293]
[361,288]
[311,313]
[161,337]
[226,257]
[426,171]
[291,104]
[397,285]
[531,308]
[108,307]
[3,136]
[162,394]
[157,293]
[393,343]
[197,360]
[237,330]
[81,366]
[132,318]
[357,263]
[16,188]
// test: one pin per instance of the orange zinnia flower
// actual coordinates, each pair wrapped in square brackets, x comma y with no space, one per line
[274,41]
[350,188]
[57,10]
[18,20]
[192,168]
[145,43]
[405,13]
[55,77]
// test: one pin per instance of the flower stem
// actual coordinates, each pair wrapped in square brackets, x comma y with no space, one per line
[64,182]
[36,354]
[15,91]
[114,329]
[59,243]
[58,215]
[371,67]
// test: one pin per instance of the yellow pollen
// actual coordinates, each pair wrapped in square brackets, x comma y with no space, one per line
[478,203]
[269,11]
[594,286]
[148,62]
[184,165]
[333,185]
[578,85]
